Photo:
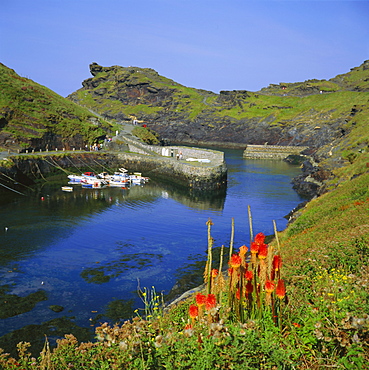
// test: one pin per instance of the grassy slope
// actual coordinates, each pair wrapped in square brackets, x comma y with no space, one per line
[336,101]
[31,110]
[333,230]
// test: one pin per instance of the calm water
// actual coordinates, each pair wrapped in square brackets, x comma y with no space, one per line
[89,248]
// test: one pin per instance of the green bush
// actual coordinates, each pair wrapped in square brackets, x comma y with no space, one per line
[146,135]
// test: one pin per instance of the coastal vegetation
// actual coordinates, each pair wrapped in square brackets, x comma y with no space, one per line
[146,135]
[295,99]
[297,301]
[32,116]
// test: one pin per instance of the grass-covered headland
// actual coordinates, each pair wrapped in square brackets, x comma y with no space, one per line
[34,117]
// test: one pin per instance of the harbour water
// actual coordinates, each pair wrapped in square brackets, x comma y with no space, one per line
[85,252]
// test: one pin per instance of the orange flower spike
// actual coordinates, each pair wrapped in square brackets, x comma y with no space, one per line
[263,251]
[248,275]
[200,299]
[243,251]
[254,248]
[193,311]
[269,286]
[230,271]
[210,302]
[214,273]
[280,291]
[235,261]
[277,263]
[259,238]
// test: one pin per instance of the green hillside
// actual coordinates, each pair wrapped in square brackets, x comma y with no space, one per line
[32,116]
[280,114]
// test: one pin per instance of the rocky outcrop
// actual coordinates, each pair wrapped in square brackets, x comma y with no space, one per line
[231,118]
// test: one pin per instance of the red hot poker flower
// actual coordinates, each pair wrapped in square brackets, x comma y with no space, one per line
[263,251]
[249,287]
[254,248]
[269,286]
[214,273]
[248,275]
[277,262]
[280,290]
[193,311]
[259,238]
[210,302]
[200,299]
[235,261]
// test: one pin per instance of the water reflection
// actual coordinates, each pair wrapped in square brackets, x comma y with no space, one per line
[87,250]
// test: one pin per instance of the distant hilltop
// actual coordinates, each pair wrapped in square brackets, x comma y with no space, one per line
[285,113]
[312,113]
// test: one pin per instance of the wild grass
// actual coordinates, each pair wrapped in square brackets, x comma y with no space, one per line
[245,317]
[30,110]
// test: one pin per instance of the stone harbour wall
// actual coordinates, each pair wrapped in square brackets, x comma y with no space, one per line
[189,152]
[271,151]
[193,175]
[26,168]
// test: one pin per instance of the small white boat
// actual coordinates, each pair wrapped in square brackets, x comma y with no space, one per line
[122,175]
[67,188]
[137,178]
[94,184]
[82,177]
[119,184]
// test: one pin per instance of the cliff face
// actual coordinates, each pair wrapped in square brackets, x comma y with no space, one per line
[312,113]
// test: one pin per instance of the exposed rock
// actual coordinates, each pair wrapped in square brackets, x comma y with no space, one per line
[170,109]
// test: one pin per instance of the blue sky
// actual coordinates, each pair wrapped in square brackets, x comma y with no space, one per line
[207,44]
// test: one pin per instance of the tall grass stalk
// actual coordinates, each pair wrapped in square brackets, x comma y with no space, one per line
[232,239]
[250,223]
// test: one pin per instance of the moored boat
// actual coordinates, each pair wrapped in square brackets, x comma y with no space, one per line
[137,178]
[82,177]
[97,184]
[120,178]
[121,184]
[67,188]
